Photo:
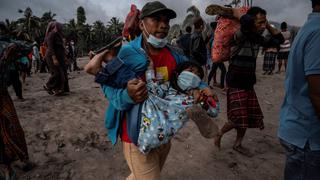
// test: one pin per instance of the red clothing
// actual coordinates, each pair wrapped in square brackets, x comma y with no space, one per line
[164,63]
[124,133]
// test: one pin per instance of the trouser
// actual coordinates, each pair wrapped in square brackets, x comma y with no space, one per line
[301,164]
[145,167]
[43,67]
[214,68]
[36,65]
[28,72]
[75,65]
[14,80]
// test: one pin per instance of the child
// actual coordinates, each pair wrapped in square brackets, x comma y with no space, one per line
[166,109]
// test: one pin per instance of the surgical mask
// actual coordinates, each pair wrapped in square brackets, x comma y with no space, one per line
[154,41]
[188,80]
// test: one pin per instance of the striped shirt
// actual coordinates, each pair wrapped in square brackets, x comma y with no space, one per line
[285,47]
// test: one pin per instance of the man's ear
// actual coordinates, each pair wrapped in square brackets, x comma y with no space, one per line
[141,25]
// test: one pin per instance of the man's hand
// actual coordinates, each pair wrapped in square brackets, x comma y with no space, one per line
[272,30]
[95,63]
[137,90]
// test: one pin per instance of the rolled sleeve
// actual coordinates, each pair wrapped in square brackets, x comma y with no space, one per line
[311,57]
[119,98]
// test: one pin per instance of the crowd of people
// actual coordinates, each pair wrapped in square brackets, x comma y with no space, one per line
[154,87]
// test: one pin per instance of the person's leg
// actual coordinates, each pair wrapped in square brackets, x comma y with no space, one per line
[23,73]
[66,81]
[33,66]
[16,83]
[46,67]
[163,154]
[279,65]
[240,134]
[272,63]
[61,81]
[312,160]
[294,165]
[42,66]
[238,143]
[223,70]
[212,74]
[226,128]
[38,65]
[285,64]
[29,68]
[265,63]
[54,79]
[143,167]
[75,65]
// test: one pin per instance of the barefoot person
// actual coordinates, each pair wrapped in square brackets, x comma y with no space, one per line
[152,43]
[299,129]
[242,103]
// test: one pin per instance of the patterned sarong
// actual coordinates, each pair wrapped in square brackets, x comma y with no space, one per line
[243,108]
[12,139]
[269,61]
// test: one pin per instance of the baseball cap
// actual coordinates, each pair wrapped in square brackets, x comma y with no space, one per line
[155,7]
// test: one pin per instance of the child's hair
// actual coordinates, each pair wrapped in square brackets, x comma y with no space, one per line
[181,67]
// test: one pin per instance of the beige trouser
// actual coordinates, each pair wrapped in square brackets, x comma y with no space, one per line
[145,167]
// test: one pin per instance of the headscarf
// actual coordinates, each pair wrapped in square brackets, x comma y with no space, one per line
[53,27]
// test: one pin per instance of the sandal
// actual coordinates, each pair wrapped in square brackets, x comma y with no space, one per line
[49,91]
[215,9]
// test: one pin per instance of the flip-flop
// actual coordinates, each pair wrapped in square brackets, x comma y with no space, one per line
[215,9]
[49,91]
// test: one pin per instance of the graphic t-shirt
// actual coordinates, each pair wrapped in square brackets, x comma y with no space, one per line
[164,64]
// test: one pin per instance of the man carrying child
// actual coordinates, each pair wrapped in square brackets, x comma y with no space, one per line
[151,45]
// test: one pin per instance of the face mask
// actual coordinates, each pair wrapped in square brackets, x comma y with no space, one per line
[154,41]
[188,80]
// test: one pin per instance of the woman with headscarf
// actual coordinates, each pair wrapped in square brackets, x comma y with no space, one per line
[58,81]
[12,139]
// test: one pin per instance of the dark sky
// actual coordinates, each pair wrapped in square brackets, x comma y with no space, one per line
[293,11]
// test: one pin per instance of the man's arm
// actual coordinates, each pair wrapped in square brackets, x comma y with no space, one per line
[95,64]
[314,92]
[312,69]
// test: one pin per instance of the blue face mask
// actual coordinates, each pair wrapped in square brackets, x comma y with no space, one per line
[154,41]
[188,80]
